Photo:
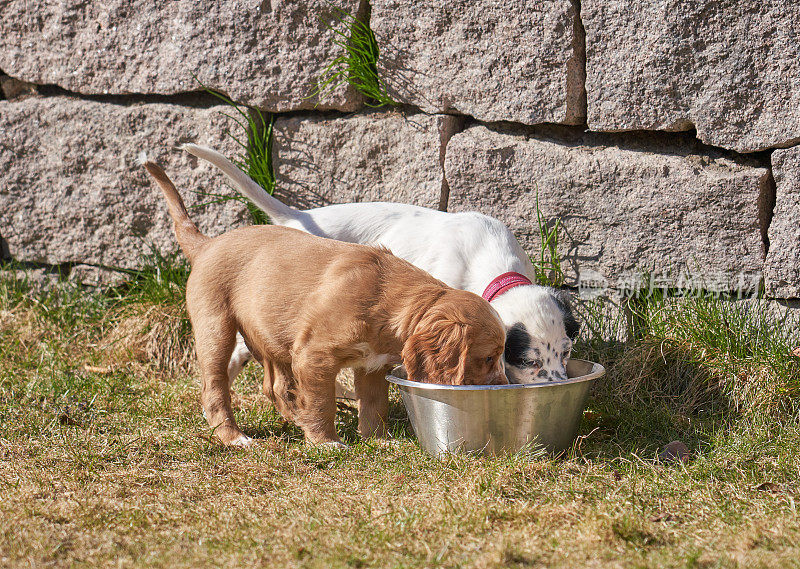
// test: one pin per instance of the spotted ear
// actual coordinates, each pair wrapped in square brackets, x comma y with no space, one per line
[564,301]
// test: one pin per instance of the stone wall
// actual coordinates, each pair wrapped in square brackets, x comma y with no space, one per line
[661,134]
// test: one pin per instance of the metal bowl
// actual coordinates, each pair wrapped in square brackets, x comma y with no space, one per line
[497,419]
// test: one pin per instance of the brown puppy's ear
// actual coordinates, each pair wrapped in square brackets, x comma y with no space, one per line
[451,359]
[437,353]
[417,355]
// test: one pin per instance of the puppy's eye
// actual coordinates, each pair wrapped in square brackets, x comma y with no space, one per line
[532,363]
[489,360]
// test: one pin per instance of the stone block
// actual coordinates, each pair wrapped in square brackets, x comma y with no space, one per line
[729,69]
[494,61]
[782,268]
[686,219]
[374,156]
[264,53]
[71,189]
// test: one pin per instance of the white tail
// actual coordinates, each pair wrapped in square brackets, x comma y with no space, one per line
[275,209]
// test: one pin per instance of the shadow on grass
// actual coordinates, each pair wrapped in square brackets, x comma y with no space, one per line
[399,427]
[610,428]
[267,423]
[656,391]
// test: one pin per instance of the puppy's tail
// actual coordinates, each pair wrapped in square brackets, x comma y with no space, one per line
[278,212]
[189,237]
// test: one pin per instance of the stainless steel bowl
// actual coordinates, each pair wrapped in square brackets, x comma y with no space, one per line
[497,419]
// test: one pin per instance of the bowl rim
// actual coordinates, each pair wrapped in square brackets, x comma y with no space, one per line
[596,372]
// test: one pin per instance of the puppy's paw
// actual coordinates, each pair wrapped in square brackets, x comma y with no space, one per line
[243,441]
[333,445]
[385,443]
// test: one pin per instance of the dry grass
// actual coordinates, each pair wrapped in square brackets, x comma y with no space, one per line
[156,335]
[105,460]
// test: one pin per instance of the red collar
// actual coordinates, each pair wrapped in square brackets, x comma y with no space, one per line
[504,283]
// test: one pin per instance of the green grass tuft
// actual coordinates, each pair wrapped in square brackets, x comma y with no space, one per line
[701,352]
[357,65]
[255,139]
[161,280]
[685,350]
[548,264]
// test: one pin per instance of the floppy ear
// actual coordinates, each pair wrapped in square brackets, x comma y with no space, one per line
[437,353]
[564,301]
[417,355]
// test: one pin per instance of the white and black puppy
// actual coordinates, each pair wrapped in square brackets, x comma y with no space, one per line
[469,251]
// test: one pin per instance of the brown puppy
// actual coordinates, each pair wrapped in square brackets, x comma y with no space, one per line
[309,306]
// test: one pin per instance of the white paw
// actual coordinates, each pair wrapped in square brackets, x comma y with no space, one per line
[335,445]
[243,441]
[386,443]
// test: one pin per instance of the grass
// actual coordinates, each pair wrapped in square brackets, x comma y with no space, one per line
[548,264]
[254,138]
[107,461]
[702,352]
[357,63]
[150,325]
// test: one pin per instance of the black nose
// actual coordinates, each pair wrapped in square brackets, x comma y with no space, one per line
[542,373]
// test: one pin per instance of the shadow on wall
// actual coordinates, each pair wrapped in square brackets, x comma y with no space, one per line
[570,246]
[3,78]
[5,252]
[297,158]
[399,79]
[322,160]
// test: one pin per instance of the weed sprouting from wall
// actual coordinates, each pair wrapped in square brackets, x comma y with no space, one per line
[548,264]
[255,140]
[357,64]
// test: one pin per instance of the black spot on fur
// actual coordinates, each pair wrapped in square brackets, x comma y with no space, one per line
[571,325]
[518,341]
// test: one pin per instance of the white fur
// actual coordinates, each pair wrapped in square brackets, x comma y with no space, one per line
[464,250]
[535,308]
[243,441]
[370,361]
[241,355]
[332,445]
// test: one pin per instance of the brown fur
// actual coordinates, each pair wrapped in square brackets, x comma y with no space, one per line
[309,306]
